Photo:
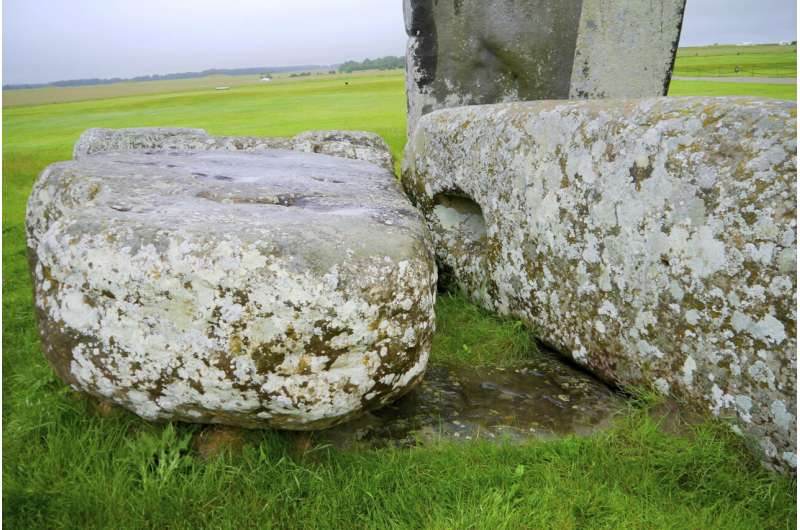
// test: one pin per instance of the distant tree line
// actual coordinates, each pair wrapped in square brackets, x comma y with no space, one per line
[382,63]
[164,77]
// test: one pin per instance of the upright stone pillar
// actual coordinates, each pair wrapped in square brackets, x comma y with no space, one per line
[472,52]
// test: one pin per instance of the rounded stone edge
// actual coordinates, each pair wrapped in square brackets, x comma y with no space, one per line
[49,203]
[355,145]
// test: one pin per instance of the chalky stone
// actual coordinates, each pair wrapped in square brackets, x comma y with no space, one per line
[654,241]
[271,289]
[357,145]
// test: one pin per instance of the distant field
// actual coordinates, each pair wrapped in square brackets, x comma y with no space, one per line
[768,60]
[680,87]
[40,96]
[37,96]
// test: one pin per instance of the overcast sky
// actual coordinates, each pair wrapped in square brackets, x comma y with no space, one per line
[49,40]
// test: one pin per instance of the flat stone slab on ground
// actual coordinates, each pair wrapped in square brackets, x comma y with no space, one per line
[540,398]
[278,288]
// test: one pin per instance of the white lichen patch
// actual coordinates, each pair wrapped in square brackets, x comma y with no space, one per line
[654,241]
[248,289]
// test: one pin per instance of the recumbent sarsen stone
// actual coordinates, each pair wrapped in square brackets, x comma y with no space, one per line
[272,289]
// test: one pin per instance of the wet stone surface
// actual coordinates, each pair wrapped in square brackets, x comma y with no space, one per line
[541,398]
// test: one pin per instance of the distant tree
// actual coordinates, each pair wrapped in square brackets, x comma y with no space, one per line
[382,63]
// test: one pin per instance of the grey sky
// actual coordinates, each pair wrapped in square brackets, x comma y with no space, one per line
[48,40]
[735,21]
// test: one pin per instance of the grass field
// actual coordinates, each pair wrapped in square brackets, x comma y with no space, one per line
[68,463]
[766,60]
[680,87]
[40,96]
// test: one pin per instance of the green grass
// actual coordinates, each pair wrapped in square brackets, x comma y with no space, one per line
[73,470]
[65,465]
[44,95]
[471,335]
[715,88]
[751,61]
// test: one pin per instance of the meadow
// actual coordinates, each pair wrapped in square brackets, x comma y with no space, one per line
[765,60]
[69,462]
[40,96]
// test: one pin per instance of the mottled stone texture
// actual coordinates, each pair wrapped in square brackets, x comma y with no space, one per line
[278,288]
[356,145]
[469,52]
[652,240]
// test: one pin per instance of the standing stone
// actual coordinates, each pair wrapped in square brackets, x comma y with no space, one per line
[653,241]
[270,289]
[470,52]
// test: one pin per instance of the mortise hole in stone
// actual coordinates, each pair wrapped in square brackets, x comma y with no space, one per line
[455,212]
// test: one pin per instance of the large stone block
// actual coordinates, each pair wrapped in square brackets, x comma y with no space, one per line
[652,240]
[277,288]
[356,145]
[470,52]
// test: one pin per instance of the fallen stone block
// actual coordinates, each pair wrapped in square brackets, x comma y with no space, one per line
[653,241]
[471,52]
[356,145]
[270,289]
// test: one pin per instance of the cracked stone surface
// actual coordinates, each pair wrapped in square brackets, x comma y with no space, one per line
[471,52]
[356,145]
[277,288]
[653,241]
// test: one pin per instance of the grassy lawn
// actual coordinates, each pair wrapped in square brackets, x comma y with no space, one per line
[714,88]
[751,61]
[41,96]
[69,463]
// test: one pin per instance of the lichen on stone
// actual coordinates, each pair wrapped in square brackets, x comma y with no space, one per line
[653,241]
[276,288]
[356,145]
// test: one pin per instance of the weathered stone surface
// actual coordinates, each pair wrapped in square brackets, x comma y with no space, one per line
[278,289]
[469,52]
[540,398]
[652,240]
[356,145]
